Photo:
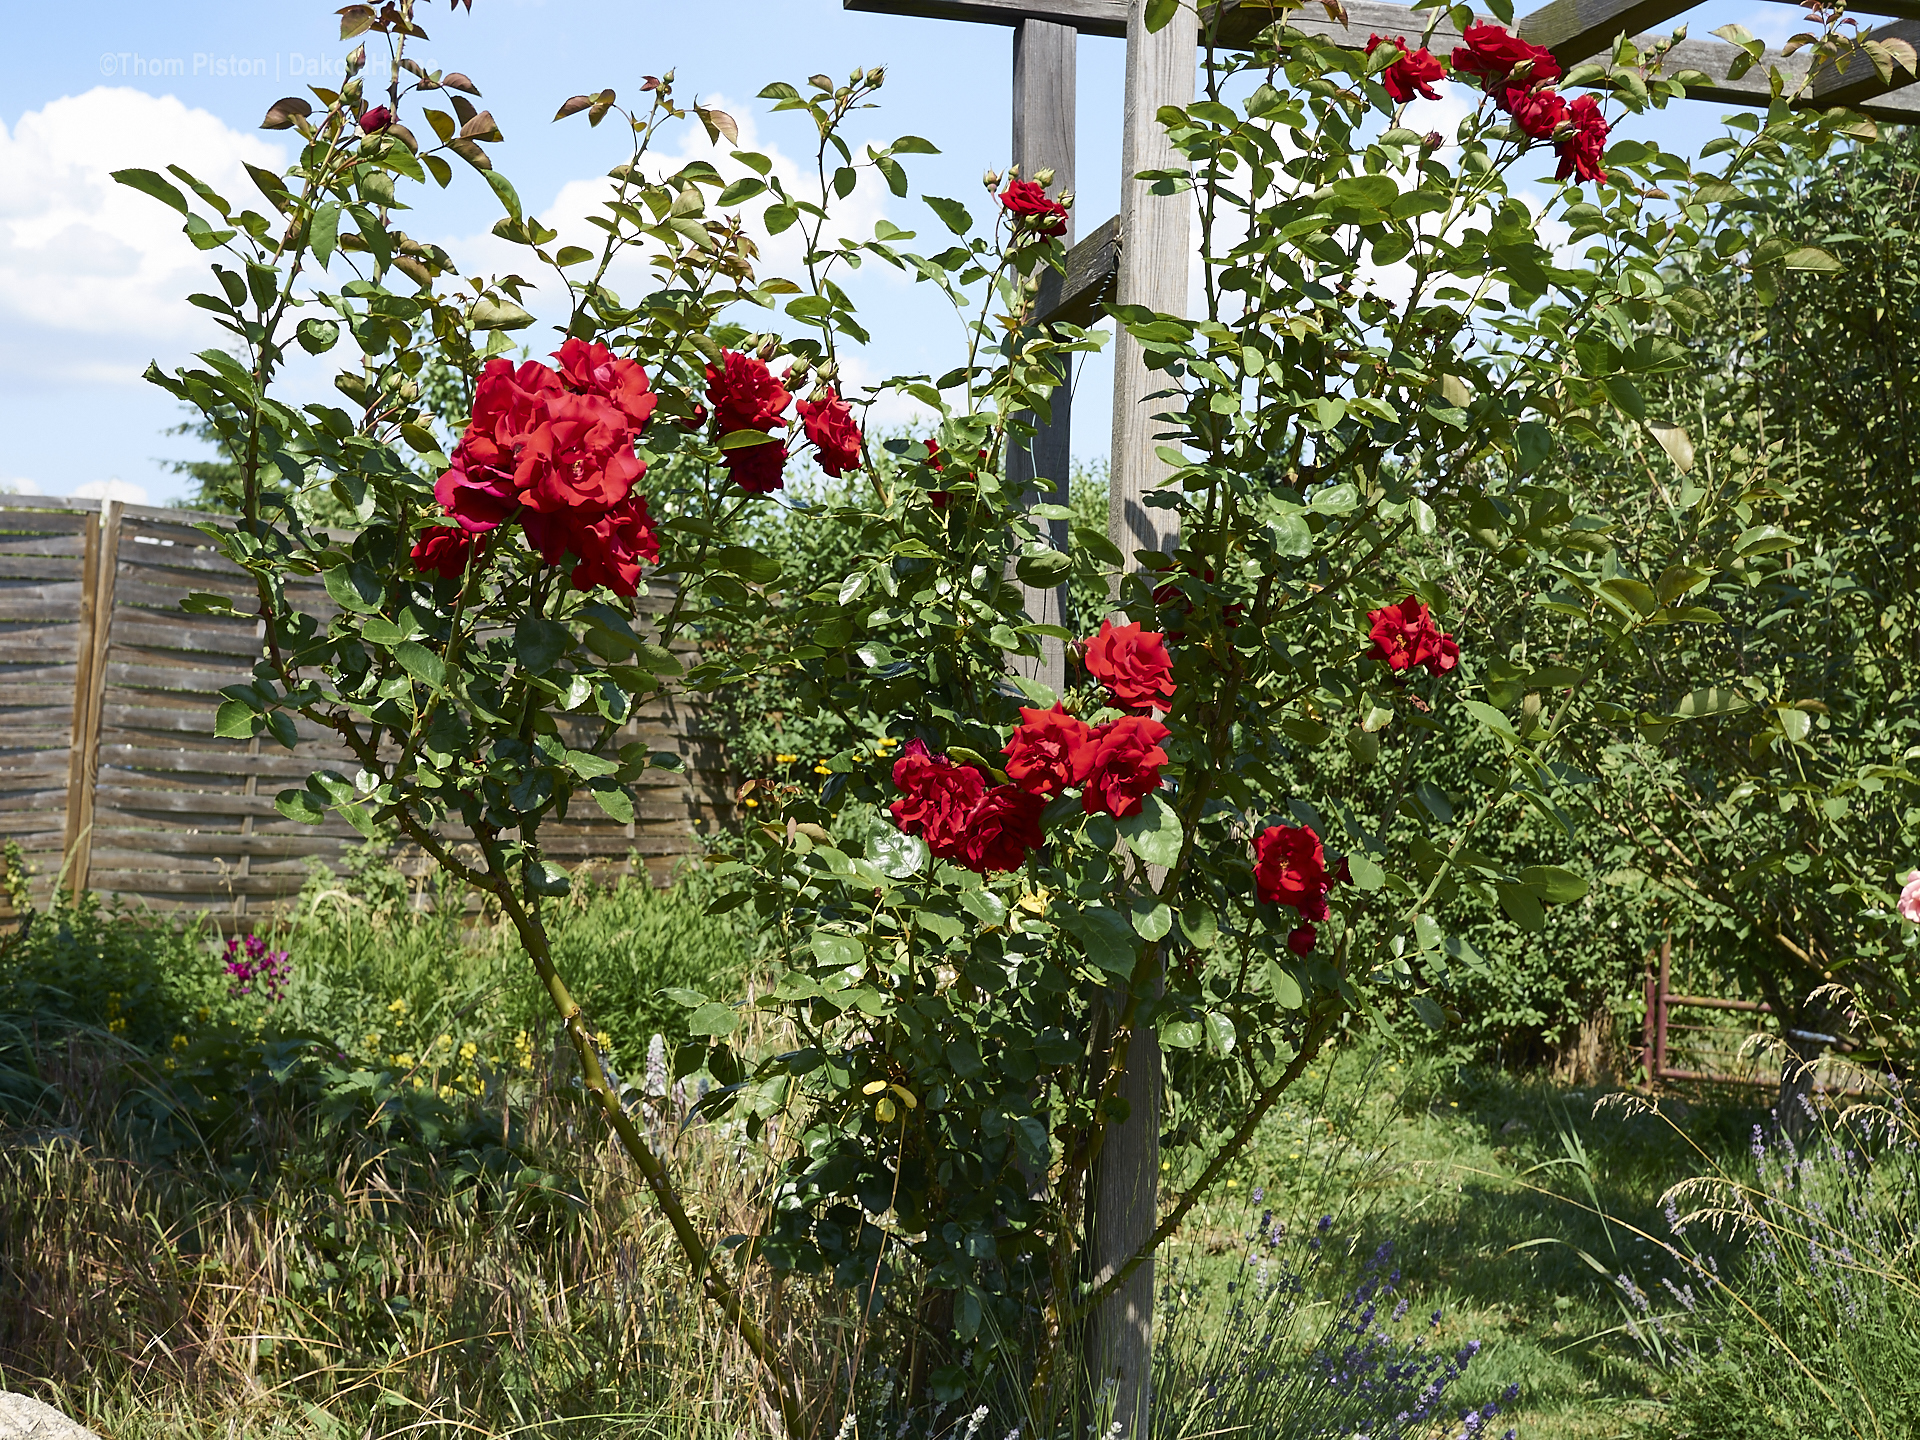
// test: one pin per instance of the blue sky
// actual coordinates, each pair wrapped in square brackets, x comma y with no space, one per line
[93,278]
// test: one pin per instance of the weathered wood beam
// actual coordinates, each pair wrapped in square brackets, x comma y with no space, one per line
[1076,297]
[1089,17]
[1575,29]
[1854,81]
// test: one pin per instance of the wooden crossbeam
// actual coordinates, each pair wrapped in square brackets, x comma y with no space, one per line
[1089,17]
[1574,30]
[1855,82]
[1076,297]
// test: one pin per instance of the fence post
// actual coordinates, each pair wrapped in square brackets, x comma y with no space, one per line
[1660,1009]
[1646,1023]
[99,566]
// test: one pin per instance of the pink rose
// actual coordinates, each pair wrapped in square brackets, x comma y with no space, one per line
[1910,898]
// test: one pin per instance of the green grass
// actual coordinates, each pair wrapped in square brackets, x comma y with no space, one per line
[322,1218]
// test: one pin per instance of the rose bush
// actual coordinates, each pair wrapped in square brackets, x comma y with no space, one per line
[1386,355]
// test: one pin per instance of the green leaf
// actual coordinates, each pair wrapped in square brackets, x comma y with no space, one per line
[1490,718]
[897,854]
[838,952]
[985,906]
[1180,1034]
[1431,1015]
[1152,919]
[616,803]
[1764,540]
[1367,875]
[354,587]
[300,806]
[713,1019]
[421,663]
[539,642]
[1153,832]
[1286,988]
[546,878]
[1635,594]
[1199,927]
[952,212]
[1810,257]
[1522,906]
[740,191]
[1042,569]
[1159,13]
[1553,884]
[149,183]
[503,187]
[1220,1032]
[323,231]
[1104,935]
[494,314]
[316,337]
[1711,700]
[234,720]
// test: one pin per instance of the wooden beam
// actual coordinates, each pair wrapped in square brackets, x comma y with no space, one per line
[1089,17]
[1575,29]
[1854,81]
[1153,271]
[1045,67]
[102,566]
[1076,298]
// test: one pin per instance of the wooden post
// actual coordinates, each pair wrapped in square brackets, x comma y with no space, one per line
[99,565]
[1662,988]
[1044,67]
[1155,250]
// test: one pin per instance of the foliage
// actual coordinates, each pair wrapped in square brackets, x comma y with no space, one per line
[961,1031]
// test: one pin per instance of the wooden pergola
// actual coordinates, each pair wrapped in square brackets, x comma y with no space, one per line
[1141,257]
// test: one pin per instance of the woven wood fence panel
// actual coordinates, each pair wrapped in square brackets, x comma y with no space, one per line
[111,777]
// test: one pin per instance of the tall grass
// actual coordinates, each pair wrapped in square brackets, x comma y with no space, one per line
[1789,1304]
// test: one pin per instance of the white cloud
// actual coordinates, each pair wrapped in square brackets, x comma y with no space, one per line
[112,489]
[94,276]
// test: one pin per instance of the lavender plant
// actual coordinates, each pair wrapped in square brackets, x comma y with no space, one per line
[1795,1309]
[1300,1345]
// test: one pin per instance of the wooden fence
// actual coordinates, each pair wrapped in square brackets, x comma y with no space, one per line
[110,775]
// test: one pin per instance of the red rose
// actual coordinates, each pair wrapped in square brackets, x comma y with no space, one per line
[1119,764]
[1133,664]
[938,796]
[1405,635]
[592,369]
[1414,72]
[476,493]
[1539,113]
[1041,753]
[609,548]
[744,395]
[1027,200]
[1581,148]
[1290,868]
[1491,55]
[757,469]
[378,118]
[581,458]
[1300,939]
[831,429]
[1003,827]
[443,550]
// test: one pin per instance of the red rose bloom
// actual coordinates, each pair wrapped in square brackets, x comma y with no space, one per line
[1405,635]
[610,548]
[592,369]
[1491,55]
[1041,753]
[378,118]
[1581,148]
[1413,73]
[1003,827]
[442,550]
[1027,200]
[757,469]
[580,459]
[1119,764]
[937,797]
[476,493]
[831,429]
[1539,113]
[1133,664]
[1290,868]
[744,395]
[1301,939]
